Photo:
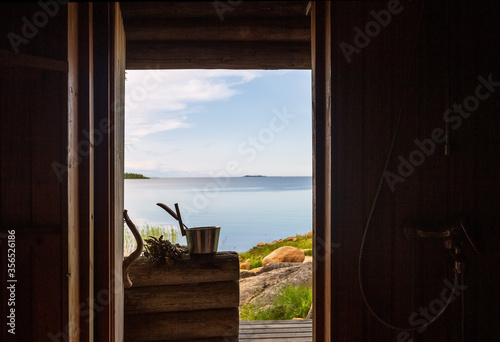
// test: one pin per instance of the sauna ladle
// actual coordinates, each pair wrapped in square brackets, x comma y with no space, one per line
[180,219]
[175,216]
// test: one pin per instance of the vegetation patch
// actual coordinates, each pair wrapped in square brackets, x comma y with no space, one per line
[292,302]
[161,251]
[256,254]
[128,175]
[147,231]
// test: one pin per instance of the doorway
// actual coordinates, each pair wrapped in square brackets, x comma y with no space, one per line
[233,147]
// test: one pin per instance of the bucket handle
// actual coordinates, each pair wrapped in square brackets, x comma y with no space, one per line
[175,216]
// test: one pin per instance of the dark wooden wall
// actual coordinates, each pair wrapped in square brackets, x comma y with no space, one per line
[33,196]
[426,59]
[215,35]
[61,102]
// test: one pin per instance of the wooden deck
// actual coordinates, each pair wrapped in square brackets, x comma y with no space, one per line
[267,331]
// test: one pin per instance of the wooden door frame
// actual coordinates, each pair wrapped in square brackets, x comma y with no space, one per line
[96,59]
[86,168]
[109,67]
[107,214]
[322,168]
[73,326]
[81,173]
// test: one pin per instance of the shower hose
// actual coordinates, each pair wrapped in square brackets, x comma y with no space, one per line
[368,223]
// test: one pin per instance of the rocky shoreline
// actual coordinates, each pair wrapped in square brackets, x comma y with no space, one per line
[284,266]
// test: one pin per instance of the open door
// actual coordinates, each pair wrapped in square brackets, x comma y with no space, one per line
[109,86]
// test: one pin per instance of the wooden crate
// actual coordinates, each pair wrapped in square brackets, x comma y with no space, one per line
[194,300]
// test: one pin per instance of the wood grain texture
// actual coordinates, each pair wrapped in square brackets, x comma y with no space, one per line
[73,195]
[194,35]
[117,158]
[296,29]
[218,54]
[210,339]
[204,9]
[436,67]
[33,201]
[190,295]
[175,326]
[217,295]
[103,178]
[322,169]
[44,40]
[223,267]
[10,59]
[85,169]
[285,330]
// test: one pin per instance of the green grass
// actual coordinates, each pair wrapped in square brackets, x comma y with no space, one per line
[292,302]
[128,175]
[256,254]
[255,262]
[169,233]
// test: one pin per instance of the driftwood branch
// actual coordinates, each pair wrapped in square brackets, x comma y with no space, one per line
[135,254]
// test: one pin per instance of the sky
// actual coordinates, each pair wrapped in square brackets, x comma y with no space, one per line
[210,123]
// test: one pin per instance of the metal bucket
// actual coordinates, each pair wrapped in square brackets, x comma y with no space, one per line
[203,240]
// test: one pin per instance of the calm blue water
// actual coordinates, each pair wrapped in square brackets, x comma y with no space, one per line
[248,209]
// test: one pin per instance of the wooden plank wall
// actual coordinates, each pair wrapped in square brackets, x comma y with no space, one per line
[197,34]
[195,299]
[433,64]
[33,195]
[282,330]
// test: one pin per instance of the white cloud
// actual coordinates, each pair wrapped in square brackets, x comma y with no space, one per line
[147,164]
[140,130]
[189,123]
[157,100]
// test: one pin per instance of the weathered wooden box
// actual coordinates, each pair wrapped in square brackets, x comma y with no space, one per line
[196,299]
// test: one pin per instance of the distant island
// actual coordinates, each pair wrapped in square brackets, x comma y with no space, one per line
[128,175]
[254,176]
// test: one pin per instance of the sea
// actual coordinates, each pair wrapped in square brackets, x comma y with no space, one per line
[248,209]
